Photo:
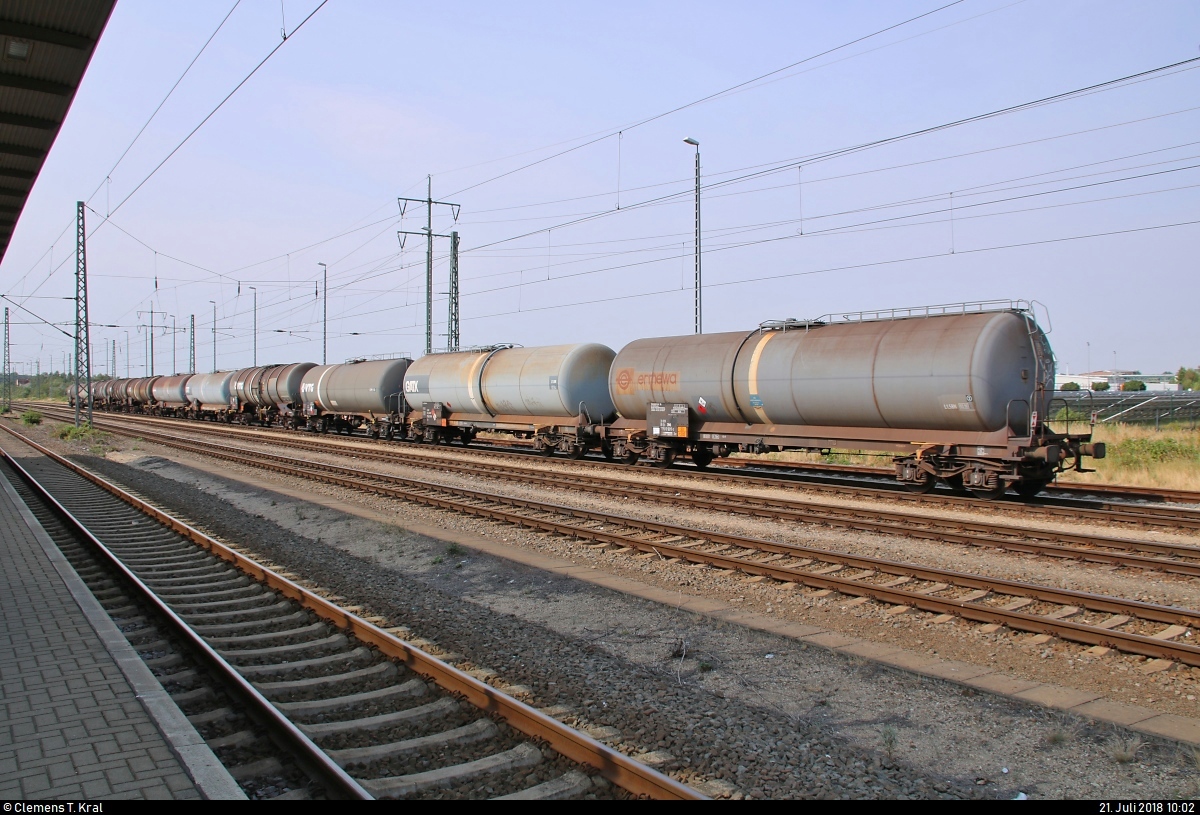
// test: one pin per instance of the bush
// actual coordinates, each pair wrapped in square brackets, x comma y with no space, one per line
[1133,385]
[1070,415]
[1070,386]
[1099,386]
[69,432]
[31,417]
[1188,379]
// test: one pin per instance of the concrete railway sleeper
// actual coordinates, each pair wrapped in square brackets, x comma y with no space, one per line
[1104,511]
[1094,620]
[407,725]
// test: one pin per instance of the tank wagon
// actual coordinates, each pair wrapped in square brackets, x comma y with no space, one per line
[962,397]
[556,394]
[360,394]
[263,394]
[208,395]
[169,395]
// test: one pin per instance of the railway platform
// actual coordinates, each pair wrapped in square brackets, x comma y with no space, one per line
[81,716]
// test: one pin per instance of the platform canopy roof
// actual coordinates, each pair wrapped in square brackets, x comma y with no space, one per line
[45,47]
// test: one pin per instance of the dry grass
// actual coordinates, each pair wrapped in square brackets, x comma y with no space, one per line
[1138,455]
[1123,751]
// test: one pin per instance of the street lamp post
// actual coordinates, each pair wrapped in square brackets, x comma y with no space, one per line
[255,325]
[699,310]
[325,315]
[214,305]
[126,354]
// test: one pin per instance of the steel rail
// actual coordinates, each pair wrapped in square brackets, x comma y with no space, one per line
[1103,510]
[618,768]
[338,783]
[925,527]
[485,504]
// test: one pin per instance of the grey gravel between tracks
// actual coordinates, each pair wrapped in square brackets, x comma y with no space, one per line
[804,723]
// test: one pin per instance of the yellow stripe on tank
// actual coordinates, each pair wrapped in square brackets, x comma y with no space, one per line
[754,358]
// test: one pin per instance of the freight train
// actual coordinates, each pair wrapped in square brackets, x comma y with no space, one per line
[956,394]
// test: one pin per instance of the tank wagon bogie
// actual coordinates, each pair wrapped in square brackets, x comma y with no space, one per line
[355,395]
[556,395]
[958,397]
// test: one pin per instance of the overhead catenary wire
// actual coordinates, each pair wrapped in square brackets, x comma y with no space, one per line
[220,105]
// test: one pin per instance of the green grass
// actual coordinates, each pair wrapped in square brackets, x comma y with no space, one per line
[69,432]
[31,417]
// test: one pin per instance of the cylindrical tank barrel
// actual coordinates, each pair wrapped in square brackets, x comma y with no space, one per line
[171,390]
[971,372]
[452,379]
[246,384]
[281,385]
[554,381]
[141,389]
[370,387]
[209,390]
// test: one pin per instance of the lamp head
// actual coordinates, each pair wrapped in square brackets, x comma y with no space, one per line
[692,142]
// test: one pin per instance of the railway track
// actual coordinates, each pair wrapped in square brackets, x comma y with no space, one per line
[1119,513]
[1094,620]
[362,712]
[1168,557]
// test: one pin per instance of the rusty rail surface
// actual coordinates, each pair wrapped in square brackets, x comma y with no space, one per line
[621,770]
[677,543]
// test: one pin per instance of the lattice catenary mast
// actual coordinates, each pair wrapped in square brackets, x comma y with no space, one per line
[83,357]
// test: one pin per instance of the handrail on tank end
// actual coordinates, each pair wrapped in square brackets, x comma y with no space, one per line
[1008,416]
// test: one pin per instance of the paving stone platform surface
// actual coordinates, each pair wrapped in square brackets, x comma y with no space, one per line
[71,726]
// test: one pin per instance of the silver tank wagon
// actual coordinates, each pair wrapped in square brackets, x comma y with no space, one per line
[555,381]
[208,393]
[171,391]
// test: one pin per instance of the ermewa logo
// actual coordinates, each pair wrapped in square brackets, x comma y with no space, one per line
[624,379]
[627,380]
[701,405]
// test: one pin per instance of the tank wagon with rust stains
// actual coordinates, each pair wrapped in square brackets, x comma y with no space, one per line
[959,394]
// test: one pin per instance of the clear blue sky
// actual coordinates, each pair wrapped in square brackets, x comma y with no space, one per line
[368,98]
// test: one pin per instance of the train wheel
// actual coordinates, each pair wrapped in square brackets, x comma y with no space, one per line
[464,438]
[667,460]
[546,449]
[989,494]
[578,451]
[607,451]
[1029,487]
[702,457]
[630,458]
[921,487]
